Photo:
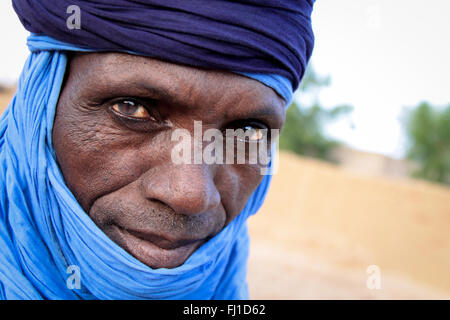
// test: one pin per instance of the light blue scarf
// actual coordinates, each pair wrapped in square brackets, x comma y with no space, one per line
[43,229]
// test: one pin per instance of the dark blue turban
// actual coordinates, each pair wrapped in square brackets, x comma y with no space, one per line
[254,36]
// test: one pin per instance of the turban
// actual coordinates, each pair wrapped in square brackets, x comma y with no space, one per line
[43,229]
[256,36]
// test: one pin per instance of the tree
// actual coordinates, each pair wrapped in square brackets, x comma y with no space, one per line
[303,132]
[428,132]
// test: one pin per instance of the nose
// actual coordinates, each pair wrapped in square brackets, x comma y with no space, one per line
[188,189]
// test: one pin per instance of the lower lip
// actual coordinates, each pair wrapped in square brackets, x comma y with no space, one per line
[152,255]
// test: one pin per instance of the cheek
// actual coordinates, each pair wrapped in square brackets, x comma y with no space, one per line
[95,158]
[236,183]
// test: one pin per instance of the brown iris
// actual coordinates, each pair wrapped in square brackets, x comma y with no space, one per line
[131,109]
[254,134]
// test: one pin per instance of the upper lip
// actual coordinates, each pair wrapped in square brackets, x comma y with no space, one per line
[162,241]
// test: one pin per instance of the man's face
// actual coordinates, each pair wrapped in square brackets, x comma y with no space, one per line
[112,137]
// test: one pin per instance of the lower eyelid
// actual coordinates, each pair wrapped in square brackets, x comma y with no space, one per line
[122,115]
[139,125]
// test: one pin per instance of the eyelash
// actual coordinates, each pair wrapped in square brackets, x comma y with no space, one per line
[148,124]
[136,124]
[252,122]
[143,102]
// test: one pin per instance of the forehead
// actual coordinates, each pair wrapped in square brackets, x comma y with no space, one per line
[119,73]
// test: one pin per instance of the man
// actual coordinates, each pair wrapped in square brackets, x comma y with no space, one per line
[93,205]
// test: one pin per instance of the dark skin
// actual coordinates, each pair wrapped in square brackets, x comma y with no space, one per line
[112,138]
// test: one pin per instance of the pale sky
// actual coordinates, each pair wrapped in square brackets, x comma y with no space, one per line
[381,55]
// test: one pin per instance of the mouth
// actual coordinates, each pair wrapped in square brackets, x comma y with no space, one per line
[154,250]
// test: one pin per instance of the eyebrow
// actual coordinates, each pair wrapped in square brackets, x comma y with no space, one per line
[158,92]
[266,111]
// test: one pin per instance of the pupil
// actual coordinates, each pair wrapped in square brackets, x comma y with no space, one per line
[255,133]
[127,107]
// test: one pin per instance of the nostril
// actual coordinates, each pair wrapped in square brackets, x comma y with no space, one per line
[157,201]
[189,203]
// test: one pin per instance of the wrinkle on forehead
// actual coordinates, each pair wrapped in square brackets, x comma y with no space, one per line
[189,83]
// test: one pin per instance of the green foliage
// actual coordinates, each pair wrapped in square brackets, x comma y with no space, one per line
[428,131]
[303,132]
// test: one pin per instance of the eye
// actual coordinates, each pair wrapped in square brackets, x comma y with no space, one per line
[250,131]
[131,109]
[253,134]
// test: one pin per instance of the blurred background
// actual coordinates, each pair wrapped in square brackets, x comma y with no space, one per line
[360,205]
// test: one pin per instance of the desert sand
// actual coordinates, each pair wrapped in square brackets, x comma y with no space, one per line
[321,227]
[5,97]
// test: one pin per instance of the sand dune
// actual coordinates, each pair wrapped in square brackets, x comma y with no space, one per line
[5,98]
[322,226]
[277,273]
